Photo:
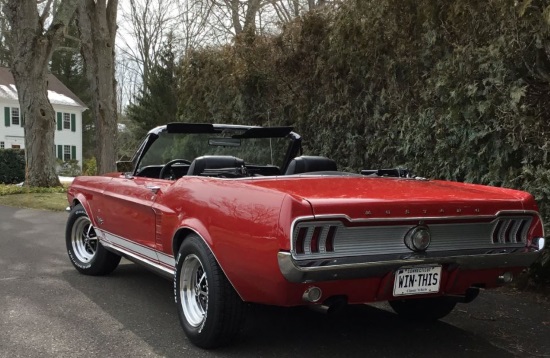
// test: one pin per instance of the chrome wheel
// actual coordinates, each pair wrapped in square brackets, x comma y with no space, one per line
[193,290]
[84,240]
[209,309]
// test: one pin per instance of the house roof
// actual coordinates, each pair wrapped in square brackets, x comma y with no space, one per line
[58,93]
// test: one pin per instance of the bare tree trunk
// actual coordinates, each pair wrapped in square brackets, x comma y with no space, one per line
[32,46]
[235,20]
[148,22]
[97,25]
[296,8]
[250,17]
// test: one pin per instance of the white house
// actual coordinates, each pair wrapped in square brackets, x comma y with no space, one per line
[68,108]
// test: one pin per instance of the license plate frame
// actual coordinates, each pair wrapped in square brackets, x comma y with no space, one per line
[417,280]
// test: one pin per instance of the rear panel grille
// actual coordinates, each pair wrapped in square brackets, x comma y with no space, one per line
[332,239]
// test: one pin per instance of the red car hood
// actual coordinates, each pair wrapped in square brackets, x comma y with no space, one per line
[367,197]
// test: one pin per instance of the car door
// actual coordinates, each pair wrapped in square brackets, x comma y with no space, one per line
[128,217]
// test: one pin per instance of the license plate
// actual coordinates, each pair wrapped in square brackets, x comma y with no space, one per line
[416,280]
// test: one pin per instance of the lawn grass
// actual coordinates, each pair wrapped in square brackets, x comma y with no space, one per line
[36,198]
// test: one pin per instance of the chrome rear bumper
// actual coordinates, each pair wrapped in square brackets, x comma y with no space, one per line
[300,274]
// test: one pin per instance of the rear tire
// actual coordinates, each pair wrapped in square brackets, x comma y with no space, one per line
[423,309]
[211,313]
[85,251]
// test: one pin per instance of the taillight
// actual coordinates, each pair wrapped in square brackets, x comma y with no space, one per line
[329,243]
[300,240]
[315,239]
[511,230]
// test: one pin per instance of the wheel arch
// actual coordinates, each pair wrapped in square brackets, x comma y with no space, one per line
[184,232]
[80,199]
[181,234]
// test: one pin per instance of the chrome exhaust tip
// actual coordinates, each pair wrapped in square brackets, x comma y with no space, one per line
[506,277]
[312,294]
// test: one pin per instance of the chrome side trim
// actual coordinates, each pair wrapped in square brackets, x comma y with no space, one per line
[138,253]
[166,259]
[294,273]
[165,271]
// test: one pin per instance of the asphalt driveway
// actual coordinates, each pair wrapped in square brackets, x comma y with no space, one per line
[47,309]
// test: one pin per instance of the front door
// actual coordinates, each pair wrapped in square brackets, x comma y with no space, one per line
[128,218]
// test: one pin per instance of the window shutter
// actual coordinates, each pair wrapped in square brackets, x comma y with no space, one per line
[73,152]
[22,118]
[60,152]
[59,121]
[73,122]
[7,115]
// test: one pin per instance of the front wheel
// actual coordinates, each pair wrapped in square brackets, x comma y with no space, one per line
[87,254]
[423,309]
[210,311]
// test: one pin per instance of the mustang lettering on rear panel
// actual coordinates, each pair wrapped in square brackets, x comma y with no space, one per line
[236,214]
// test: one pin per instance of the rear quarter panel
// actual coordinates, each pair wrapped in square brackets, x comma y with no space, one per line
[239,222]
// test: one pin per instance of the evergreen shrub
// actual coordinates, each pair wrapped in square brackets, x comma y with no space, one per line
[455,90]
[12,166]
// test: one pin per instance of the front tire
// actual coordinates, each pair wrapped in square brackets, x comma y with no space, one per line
[423,309]
[211,313]
[85,251]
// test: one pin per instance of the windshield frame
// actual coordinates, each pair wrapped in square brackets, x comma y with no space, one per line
[294,148]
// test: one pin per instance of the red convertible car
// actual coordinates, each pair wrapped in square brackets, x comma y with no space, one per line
[236,214]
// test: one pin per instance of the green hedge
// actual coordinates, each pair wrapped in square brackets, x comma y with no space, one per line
[456,90]
[14,189]
[12,166]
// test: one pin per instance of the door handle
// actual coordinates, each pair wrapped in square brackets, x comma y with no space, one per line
[153,188]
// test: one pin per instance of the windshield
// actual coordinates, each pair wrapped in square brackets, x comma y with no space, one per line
[188,146]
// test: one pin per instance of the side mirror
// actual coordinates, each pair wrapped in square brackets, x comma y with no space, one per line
[124,166]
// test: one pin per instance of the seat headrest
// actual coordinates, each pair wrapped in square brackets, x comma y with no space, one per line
[306,164]
[213,162]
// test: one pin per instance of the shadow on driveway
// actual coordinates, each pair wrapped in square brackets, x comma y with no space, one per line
[143,303]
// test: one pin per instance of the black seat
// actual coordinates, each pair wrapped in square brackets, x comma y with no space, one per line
[306,164]
[213,162]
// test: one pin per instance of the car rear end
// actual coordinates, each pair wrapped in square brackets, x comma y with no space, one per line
[372,240]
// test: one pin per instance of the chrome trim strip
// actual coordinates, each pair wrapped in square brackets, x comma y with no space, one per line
[297,274]
[156,260]
[130,245]
[141,259]
[416,218]
[166,259]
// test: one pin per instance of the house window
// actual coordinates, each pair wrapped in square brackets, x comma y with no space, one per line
[2,145]
[15,116]
[66,152]
[15,146]
[66,121]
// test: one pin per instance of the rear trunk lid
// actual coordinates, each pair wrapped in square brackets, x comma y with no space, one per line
[367,197]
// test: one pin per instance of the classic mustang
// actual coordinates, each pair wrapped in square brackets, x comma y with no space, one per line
[235,214]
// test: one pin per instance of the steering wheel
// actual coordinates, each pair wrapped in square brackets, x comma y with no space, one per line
[169,165]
